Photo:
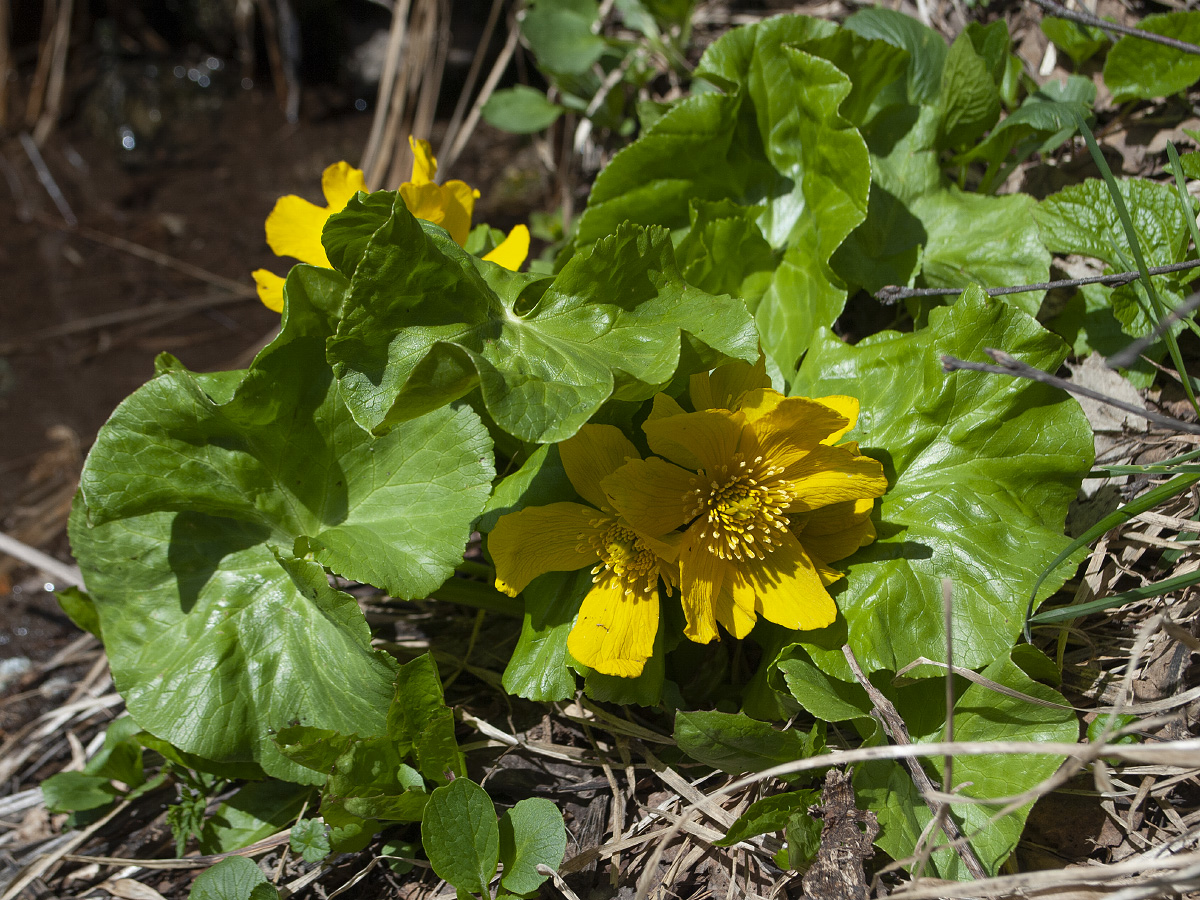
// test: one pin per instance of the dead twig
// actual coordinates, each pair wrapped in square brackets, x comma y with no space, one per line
[1010,365]
[887,716]
[893,293]
[1085,18]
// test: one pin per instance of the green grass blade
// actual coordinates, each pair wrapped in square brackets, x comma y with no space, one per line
[1160,310]
[1154,589]
[1148,500]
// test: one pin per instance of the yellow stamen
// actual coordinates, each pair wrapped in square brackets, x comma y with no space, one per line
[622,553]
[741,498]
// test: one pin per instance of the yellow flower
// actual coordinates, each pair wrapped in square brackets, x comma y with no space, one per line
[294,225]
[614,631]
[766,498]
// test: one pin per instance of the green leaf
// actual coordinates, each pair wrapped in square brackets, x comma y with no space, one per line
[1083,219]
[80,609]
[1137,69]
[926,48]
[235,878]
[969,96]
[735,743]
[186,818]
[539,668]
[803,834]
[1004,248]
[980,470]
[368,777]
[230,771]
[348,833]
[121,756]
[256,811]
[560,34]
[980,714]
[724,252]
[828,699]
[189,515]
[310,840]
[768,815]
[520,110]
[1078,41]
[531,834]
[461,836]
[540,480]
[76,791]
[917,218]
[424,323]
[775,145]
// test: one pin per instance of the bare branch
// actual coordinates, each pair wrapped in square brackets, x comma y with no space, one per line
[893,293]
[1086,18]
[1009,365]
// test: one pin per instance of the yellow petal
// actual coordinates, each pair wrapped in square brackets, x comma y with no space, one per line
[540,539]
[512,251]
[652,495]
[838,516]
[424,201]
[270,289]
[735,607]
[458,201]
[424,162]
[848,407]
[339,183]
[698,440]
[614,632]
[595,452]
[727,383]
[294,229]
[787,587]
[837,545]
[833,475]
[702,575]
[791,426]
[664,406]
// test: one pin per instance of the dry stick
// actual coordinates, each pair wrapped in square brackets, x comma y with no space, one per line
[893,293]
[58,72]
[30,343]
[5,64]
[154,256]
[274,55]
[460,141]
[460,108]
[30,146]
[191,862]
[60,571]
[896,730]
[1086,18]
[431,79]
[37,89]
[375,153]
[1008,365]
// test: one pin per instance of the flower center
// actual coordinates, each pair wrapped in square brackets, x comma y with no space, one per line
[742,504]
[622,553]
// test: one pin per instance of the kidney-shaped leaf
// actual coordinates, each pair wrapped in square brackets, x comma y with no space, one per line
[774,140]
[192,527]
[980,471]
[424,323]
